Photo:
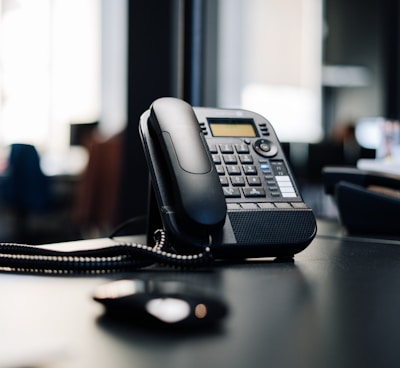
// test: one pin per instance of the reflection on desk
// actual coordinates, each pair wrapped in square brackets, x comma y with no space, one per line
[335,306]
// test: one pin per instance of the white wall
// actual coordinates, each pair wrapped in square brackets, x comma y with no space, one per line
[114,45]
[270,62]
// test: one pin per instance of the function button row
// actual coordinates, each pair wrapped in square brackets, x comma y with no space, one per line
[240,181]
[264,129]
[267,205]
[232,159]
[237,169]
[235,192]
[229,148]
[282,182]
[203,127]
[285,185]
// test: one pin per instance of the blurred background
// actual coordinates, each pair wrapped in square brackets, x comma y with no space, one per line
[75,76]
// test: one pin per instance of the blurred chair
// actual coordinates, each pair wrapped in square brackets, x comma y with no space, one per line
[25,190]
[97,192]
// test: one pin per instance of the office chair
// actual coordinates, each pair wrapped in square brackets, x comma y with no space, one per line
[25,189]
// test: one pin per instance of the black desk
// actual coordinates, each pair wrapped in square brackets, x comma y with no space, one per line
[337,306]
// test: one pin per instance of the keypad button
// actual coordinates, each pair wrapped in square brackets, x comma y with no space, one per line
[224,181]
[220,170]
[253,180]
[249,169]
[213,148]
[231,192]
[226,148]
[230,159]
[237,181]
[242,148]
[216,159]
[254,192]
[246,159]
[233,169]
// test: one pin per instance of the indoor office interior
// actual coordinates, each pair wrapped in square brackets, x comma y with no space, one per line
[75,77]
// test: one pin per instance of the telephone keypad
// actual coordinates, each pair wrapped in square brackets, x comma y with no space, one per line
[246,176]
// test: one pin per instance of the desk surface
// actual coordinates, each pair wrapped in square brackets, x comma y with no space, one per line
[336,306]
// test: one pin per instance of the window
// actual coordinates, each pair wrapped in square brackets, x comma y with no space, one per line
[49,69]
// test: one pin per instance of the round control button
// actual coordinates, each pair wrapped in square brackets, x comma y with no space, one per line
[265,148]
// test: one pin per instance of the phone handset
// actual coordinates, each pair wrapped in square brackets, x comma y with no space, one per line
[198,196]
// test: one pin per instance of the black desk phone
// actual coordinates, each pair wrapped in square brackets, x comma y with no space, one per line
[221,180]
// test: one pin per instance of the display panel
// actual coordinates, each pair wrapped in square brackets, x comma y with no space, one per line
[232,127]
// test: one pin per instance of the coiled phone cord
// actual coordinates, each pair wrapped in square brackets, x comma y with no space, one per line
[120,256]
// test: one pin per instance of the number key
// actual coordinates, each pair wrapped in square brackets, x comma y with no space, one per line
[249,169]
[253,180]
[246,159]
[254,192]
[230,159]
[226,148]
[242,148]
[231,192]
[233,169]
[237,181]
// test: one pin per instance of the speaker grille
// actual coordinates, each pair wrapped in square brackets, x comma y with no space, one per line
[272,227]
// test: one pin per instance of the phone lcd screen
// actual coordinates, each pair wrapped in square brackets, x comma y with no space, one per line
[232,127]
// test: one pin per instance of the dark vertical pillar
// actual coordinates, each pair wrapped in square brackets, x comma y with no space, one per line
[193,50]
[391,41]
[150,76]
